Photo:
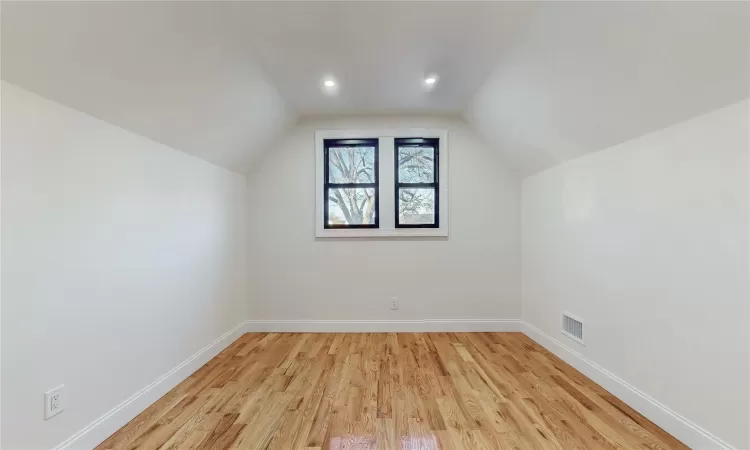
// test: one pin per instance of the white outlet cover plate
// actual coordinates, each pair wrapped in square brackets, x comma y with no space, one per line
[52,407]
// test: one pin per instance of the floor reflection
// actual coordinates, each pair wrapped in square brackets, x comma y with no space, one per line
[425,442]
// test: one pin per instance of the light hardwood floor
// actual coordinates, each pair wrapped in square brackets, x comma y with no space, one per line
[403,391]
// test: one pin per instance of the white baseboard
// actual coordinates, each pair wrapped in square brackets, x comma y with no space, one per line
[375,326]
[681,428]
[103,427]
[689,433]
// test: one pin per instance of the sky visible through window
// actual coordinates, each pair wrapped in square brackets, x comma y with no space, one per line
[351,206]
[356,205]
[416,206]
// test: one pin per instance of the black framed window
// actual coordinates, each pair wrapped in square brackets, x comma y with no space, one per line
[417,189]
[350,185]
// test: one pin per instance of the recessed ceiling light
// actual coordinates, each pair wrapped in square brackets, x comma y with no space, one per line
[329,86]
[430,81]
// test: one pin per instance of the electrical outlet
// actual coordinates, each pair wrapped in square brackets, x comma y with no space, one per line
[53,402]
[394,302]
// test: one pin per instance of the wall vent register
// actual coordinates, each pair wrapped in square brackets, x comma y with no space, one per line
[572,327]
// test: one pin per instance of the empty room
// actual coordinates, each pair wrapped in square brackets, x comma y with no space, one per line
[360,225]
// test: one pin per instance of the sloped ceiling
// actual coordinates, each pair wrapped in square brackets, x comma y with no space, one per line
[380,52]
[163,70]
[588,75]
[542,82]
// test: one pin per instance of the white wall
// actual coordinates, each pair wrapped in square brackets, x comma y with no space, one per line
[121,258]
[647,241]
[474,274]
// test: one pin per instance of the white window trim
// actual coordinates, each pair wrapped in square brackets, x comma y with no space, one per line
[386,180]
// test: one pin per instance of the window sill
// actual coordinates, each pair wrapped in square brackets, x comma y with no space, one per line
[382,233]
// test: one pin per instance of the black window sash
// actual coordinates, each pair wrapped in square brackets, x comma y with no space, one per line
[327,185]
[435,185]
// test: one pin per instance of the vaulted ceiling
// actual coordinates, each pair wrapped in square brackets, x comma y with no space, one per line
[588,75]
[543,82]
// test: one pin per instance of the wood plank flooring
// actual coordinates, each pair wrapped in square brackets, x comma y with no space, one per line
[406,391]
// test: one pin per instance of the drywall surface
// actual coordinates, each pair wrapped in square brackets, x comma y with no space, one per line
[121,258]
[647,242]
[473,274]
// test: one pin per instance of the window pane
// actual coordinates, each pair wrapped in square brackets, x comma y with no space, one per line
[354,206]
[416,164]
[351,165]
[416,206]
